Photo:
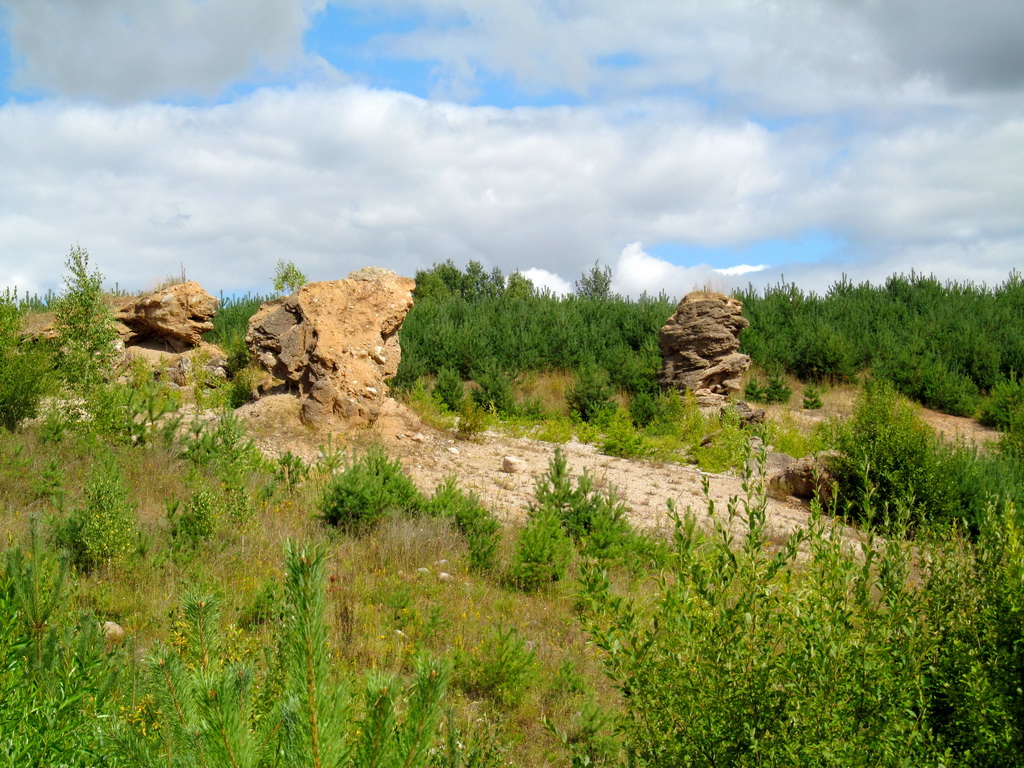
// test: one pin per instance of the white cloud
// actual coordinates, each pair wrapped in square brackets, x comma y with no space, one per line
[741,269]
[636,272]
[341,178]
[121,50]
[542,279]
[793,57]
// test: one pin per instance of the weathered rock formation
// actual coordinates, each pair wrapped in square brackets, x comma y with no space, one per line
[335,343]
[805,478]
[177,316]
[699,346]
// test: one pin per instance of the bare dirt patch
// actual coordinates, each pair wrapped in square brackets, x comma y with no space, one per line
[429,456]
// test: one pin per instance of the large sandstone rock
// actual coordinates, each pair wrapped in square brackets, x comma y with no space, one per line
[699,346]
[336,343]
[177,316]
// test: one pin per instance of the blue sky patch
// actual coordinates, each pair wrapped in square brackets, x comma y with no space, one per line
[812,246]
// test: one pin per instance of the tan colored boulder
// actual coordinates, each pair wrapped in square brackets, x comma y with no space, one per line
[113,632]
[178,316]
[699,347]
[805,478]
[336,344]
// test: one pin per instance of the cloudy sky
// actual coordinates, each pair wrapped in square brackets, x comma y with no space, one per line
[679,142]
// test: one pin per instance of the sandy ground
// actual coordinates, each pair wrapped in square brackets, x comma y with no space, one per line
[430,455]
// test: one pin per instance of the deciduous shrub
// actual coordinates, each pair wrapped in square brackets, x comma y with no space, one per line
[104,529]
[892,464]
[24,367]
[753,654]
[85,325]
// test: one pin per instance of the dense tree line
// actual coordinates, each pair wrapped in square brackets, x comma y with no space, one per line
[945,345]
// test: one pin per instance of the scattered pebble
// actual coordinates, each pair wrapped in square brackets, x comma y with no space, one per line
[446,577]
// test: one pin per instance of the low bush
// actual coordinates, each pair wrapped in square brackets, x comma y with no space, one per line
[494,389]
[892,465]
[370,488]
[812,398]
[478,526]
[1004,402]
[589,397]
[751,653]
[24,367]
[974,597]
[104,529]
[543,551]
[502,668]
[450,389]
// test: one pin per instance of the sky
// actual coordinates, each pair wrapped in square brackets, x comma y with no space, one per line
[682,143]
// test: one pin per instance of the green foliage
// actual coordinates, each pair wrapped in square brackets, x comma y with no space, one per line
[774,389]
[230,324]
[472,420]
[502,669]
[812,398]
[621,438]
[940,344]
[1005,401]
[196,523]
[975,598]
[460,320]
[56,679]
[209,711]
[589,397]
[725,448]
[104,529]
[85,326]
[133,414]
[494,390]
[891,464]
[753,654]
[370,488]
[287,277]
[450,389]
[543,551]
[595,283]
[24,367]
[477,525]
[566,513]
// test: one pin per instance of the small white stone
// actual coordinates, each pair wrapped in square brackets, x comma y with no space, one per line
[446,577]
[371,390]
[454,451]
[423,571]
[419,437]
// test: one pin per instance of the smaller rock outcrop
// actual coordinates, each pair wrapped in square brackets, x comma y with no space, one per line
[699,347]
[805,478]
[336,344]
[177,316]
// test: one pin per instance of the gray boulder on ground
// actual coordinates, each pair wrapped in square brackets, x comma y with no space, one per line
[699,346]
[335,344]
